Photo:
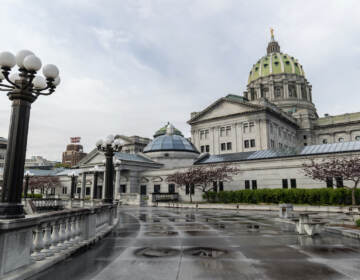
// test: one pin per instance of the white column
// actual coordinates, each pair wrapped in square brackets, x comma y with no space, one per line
[92,186]
[117,183]
[103,186]
[83,186]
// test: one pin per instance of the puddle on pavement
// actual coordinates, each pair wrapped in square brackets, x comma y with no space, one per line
[161,233]
[149,252]
[199,233]
[329,251]
[205,252]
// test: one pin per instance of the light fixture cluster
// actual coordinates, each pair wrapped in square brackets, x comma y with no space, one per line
[109,143]
[26,81]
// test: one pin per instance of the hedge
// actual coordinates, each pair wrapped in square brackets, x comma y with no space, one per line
[33,195]
[325,196]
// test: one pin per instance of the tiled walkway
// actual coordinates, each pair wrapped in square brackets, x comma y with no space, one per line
[161,243]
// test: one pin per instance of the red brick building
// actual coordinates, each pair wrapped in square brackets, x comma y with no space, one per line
[74,152]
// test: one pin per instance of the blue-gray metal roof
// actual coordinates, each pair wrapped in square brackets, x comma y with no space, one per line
[170,143]
[44,172]
[132,157]
[342,147]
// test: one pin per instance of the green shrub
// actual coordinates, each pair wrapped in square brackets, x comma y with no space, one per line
[325,196]
[35,195]
[357,223]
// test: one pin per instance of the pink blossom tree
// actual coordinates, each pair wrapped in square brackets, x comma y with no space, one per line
[346,168]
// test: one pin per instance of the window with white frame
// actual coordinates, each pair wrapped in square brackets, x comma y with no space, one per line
[246,128]
[222,131]
[251,127]
[228,130]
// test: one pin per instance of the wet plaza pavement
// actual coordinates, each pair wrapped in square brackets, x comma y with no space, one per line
[163,243]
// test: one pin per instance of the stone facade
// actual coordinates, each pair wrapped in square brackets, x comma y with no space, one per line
[276,84]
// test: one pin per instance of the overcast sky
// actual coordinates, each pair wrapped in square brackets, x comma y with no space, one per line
[128,67]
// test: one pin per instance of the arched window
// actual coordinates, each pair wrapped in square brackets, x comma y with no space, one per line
[341,139]
[357,138]
[324,141]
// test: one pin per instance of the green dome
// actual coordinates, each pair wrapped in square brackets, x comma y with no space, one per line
[162,131]
[275,63]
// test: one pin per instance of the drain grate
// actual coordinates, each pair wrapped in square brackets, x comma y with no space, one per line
[156,252]
[205,252]
[161,233]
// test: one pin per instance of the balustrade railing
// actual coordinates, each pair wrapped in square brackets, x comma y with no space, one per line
[49,234]
[47,204]
[165,197]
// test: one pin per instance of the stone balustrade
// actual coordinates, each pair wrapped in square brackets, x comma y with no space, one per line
[50,237]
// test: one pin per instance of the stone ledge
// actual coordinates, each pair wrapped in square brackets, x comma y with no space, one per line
[352,233]
[39,266]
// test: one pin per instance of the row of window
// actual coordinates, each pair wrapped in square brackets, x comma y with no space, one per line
[226,130]
[226,146]
[249,143]
[341,139]
[205,148]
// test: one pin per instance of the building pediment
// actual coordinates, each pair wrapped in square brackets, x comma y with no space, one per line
[93,158]
[224,107]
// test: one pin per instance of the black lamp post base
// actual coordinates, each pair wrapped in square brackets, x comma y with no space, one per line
[108,201]
[11,211]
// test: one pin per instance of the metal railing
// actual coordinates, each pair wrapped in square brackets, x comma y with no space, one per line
[165,197]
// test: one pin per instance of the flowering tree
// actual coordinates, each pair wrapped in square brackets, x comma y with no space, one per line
[346,168]
[43,182]
[202,176]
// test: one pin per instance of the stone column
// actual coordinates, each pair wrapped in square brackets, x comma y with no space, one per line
[134,182]
[103,186]
[117,183]
[286,90]
[93,193]
[298,91]
[258,92]
[271,91]
[83,186]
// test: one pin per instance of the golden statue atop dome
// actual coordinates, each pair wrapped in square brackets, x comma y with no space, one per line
[272,32]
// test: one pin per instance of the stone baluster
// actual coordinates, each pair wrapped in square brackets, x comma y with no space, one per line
[68,232]
[38,244]
[77,229]
[47,240]
[72,231]
[55,238]
[62,234]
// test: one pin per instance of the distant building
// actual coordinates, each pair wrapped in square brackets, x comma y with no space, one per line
[3,146]
[74,152]
[133,144]
[38,161]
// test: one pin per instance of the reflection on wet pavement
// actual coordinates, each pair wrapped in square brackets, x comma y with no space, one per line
[161,243]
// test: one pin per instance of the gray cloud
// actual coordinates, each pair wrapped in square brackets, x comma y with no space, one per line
[130,66]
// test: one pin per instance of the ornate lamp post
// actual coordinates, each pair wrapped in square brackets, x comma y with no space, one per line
[96,170]
[22,88]
[27,178]
[73,176]
[109,146]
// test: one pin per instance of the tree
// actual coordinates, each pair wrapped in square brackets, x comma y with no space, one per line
[203,176]
[43,182]
[346,168]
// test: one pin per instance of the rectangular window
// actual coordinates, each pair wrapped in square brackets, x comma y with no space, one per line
[246,143]
[202,149]
[221,186]
[247,184]
[223,146]
[143,190]
[329,182]
[254,184]
[246,127]
[156,188]
[293,183]
[251,127]
[206,134]
[272,144]
[252,143]
[228,146]
[64,190]
[339,182]
[78,190]
[215,186]
[228,130]
[284,183]
[222,131]
[171,188]
[192,189]
[187,189]
[207,148]
[122,188]
[87,191]
[202,133]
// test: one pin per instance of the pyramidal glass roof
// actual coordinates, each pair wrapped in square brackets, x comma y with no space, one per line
[170,143]
[342,147]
